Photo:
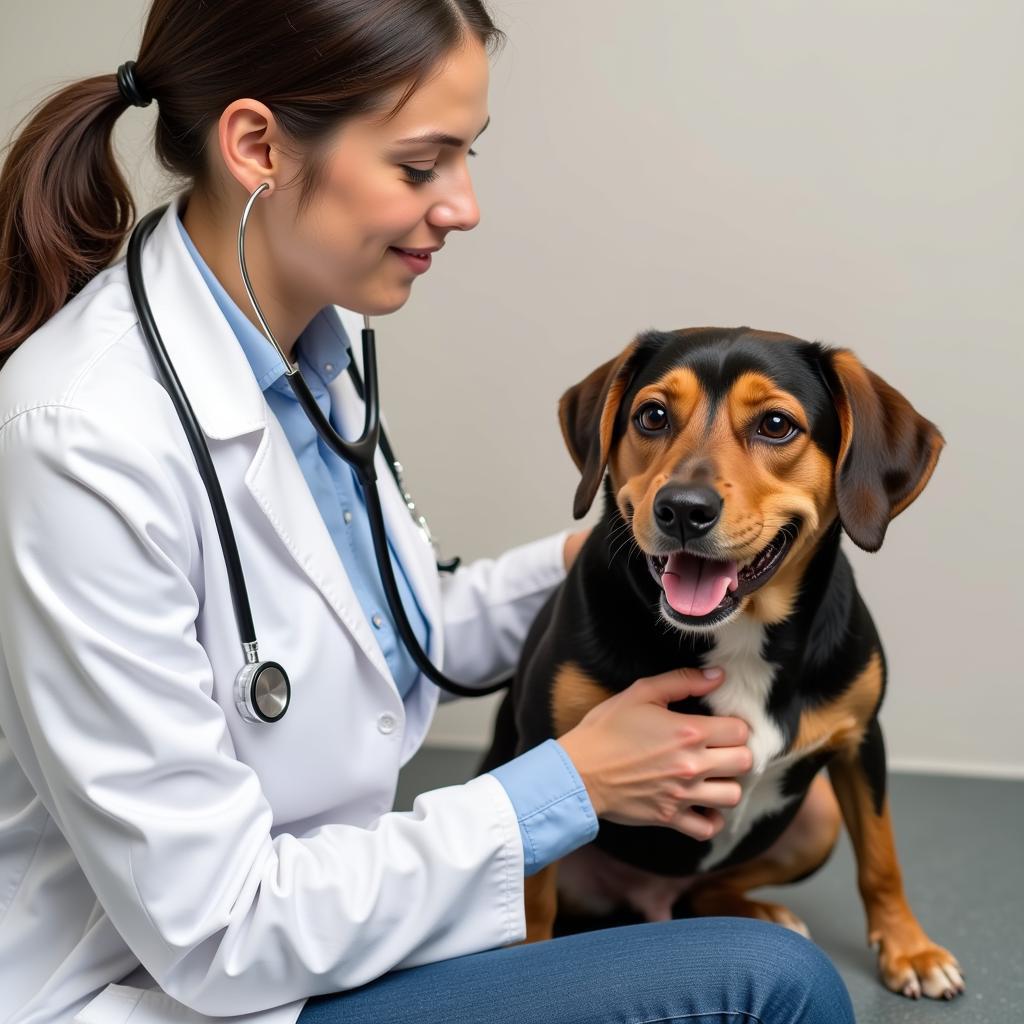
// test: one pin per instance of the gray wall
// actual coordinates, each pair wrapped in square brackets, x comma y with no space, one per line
[848,172]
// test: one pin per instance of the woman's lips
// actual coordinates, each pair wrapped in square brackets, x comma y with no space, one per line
[417,264]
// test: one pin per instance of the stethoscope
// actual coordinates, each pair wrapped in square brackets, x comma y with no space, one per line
[262,688]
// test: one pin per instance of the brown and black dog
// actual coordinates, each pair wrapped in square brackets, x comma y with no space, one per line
[732,459]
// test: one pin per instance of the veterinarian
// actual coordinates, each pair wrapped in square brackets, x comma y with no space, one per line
[194,828]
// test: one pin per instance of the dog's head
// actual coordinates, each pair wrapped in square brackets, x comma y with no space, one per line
[730,453]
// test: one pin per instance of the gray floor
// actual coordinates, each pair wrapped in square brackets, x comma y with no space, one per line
[961,845]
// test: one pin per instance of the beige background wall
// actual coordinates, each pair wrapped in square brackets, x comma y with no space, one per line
[849,172]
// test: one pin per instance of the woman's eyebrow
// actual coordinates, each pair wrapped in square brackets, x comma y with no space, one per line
[442,139]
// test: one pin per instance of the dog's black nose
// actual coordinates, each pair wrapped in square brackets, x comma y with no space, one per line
[685,512]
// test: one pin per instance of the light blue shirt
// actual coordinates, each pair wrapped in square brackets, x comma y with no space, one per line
[554,811]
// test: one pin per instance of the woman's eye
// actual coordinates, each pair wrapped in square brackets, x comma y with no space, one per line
[652,417]
[421,177]
[777,426]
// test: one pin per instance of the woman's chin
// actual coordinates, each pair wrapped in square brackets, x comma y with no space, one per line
[381,302]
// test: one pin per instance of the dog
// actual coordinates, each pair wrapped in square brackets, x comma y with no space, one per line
[732,461]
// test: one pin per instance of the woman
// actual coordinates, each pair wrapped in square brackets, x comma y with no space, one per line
[162,858]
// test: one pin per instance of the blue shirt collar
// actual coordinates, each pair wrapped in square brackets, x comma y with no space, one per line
[324,343]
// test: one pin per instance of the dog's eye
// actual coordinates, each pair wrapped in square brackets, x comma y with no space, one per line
[651,418]
[776,426]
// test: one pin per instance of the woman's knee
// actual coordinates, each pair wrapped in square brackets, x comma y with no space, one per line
[803,983]
[768,971]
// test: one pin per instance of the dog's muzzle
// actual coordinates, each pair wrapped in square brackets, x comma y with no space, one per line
[699,588]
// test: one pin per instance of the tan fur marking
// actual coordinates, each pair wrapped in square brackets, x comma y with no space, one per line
[679,388]
[811,493]
[904,948]
[891,922]
[631,465]
[541,903]
[608,413]
[751,390]
[573,694]
[848,367]
[842,722]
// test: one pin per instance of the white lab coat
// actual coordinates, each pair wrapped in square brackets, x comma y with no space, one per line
[145,828]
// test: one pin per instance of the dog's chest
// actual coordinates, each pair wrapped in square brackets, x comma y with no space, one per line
[744,694]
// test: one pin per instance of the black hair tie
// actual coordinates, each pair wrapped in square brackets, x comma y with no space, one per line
[129,87]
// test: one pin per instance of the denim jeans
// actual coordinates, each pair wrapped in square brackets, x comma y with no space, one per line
[709,970]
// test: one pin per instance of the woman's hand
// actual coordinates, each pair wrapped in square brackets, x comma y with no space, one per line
[643,764]
[573,543]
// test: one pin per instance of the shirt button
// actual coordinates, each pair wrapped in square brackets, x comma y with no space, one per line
[386,723]
[347,516]
[329,367]
[377,621]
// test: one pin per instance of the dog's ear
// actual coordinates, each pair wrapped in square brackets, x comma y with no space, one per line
[587,414]
[887,450]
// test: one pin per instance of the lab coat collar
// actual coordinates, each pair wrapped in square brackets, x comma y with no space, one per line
[228,403]
[206,355]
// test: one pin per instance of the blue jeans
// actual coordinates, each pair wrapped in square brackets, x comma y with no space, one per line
[712,970]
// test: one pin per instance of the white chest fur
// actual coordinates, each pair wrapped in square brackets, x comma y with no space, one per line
[744,694]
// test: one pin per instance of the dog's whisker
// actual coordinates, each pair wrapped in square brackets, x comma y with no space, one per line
[620,528]
[620,547]
[631,541]
[611,540]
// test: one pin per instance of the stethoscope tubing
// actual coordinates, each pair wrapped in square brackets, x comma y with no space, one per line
[150,331]
[359,454]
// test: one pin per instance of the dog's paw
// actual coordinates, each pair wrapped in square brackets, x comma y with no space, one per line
[779,914]
[930,971]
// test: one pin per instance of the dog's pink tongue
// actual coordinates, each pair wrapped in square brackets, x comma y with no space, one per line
[696,586]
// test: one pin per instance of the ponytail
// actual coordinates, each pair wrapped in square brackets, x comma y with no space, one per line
[65,207]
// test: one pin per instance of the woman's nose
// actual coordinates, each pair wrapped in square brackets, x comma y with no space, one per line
[457,210]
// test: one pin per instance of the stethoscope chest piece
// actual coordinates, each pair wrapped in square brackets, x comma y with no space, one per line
[262,692]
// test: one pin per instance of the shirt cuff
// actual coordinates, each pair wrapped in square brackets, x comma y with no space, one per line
[551,802]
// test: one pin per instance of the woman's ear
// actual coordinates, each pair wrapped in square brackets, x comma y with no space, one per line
[247,137]
[887,450]
[587,414]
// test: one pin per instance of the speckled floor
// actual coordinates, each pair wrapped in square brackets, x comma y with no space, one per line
[961,845]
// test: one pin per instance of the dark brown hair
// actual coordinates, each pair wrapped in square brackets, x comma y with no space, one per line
[65,208]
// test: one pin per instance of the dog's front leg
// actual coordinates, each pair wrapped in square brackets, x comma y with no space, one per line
[908,960]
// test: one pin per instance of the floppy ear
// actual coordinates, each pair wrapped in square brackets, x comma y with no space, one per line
[887,450]
[587,413]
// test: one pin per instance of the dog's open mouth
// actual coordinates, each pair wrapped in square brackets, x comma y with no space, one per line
[703,590]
